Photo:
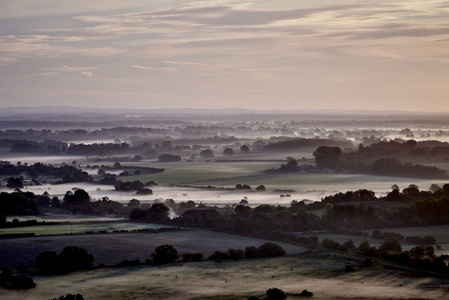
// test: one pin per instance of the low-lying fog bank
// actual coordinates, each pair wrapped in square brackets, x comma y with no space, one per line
[290,187]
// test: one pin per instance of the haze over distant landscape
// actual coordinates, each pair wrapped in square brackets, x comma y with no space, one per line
[224,149]
[215,54]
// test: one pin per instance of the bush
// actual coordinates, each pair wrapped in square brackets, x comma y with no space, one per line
[76,258]
[70,297]
[270,250]
[331,244]
[251,252]
[218,256]
[235,254]
[21,283]
[306,293]
[165,254]
[169,158]
[275,294]
[192,257]
[48,261]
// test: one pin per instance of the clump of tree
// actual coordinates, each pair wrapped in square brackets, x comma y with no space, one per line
[275,294]
[158,212]
[19,282]
[228,152]
[128,185]
[70,297]
[166,157]
[268,249]
[14,183]
[165,254]
[207,153]
[18,203]
[378,159]
[190,257]
[72,258]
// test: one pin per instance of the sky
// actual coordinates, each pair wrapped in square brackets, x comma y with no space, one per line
[255,54]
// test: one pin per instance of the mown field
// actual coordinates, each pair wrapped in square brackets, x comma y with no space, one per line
[322,274]
[114,248]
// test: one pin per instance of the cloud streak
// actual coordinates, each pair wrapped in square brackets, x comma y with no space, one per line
[228,49]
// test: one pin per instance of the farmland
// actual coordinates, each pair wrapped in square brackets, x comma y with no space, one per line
[239,280]
[114,248]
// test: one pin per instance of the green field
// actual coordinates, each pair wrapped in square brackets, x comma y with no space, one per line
[195,172]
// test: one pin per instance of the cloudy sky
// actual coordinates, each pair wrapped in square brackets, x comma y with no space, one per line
[258,54]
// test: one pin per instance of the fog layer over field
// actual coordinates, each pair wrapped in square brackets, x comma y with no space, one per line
[306,186]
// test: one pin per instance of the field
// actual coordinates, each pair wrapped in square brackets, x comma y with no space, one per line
[114,248]
[80,228]
[319,273]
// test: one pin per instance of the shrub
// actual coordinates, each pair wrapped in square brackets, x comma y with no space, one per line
[275,294]
[165,254]
[270,250]
[235,254]
[70,297]
[76,258]
[21,283]
[48,261]
[306,293]
[331,244]
[192,257]
[251,252]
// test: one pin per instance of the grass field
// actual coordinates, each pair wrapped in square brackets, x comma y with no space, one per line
[114,248]
[194,172]
[77,228]
[322,275]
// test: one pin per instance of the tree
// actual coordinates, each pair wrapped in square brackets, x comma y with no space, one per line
[364,247]
[327,157]
[76,258]
[48,261]
[244,149]
[207,153]
[228,152]
[165,157]
[158,212]
[165,254]
[270,250]
[14,183]
[275,294]
[79,197]
[261,188]
[70,297]
[134,203]
[391,246]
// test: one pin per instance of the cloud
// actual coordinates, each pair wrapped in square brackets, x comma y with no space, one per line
[87,74]
[61,69]
[155,68]
[183,63]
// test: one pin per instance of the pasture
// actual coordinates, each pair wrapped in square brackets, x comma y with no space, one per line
[322,275]
[80,228]
[116,247]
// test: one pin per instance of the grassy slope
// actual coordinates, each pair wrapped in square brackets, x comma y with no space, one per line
[114,248]
[238,280]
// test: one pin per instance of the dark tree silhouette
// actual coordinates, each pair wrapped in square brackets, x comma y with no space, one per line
[165,254]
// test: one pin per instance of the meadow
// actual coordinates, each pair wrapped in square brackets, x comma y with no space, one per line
[321,274]
[115,247]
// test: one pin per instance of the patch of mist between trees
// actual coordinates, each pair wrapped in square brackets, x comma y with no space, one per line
[47,159]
